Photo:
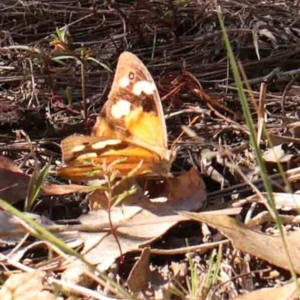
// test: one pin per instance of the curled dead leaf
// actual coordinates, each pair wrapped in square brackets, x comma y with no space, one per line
[266,247]
[139,275]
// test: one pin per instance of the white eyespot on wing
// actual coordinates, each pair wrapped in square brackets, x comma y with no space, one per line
[103,144]
[120,109]
[159,200]
[87,156]
[78,148]
[124,82]
[143,86]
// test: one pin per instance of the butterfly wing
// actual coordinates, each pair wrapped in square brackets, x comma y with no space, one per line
[131,126]
[133,111]
[85,157]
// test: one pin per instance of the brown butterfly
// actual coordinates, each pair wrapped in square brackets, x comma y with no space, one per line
[130,129]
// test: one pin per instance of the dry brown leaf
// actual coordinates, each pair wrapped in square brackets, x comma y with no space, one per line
[7,164]
[50,189]
[188,187]
[14,184]
[26,286]
[139,275]
[266,247]
[287,292]
[143,220]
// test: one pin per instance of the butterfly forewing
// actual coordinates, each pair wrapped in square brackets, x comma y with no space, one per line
[133,110]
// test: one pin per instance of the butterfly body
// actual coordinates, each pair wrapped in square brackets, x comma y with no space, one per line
[130,128]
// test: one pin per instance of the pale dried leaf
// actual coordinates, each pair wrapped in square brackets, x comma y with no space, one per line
[76,273]
[255,36]
[10,224]
[143,220]
[287,292]
[102,249]
[26,286]
[267,33]
[266,247]
[277,154]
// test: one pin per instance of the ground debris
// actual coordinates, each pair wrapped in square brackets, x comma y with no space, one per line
[44,94]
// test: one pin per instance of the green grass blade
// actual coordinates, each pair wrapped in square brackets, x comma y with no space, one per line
[43,234]
[254,144]
[35,184]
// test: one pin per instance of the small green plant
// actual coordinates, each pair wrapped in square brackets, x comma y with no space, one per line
[110,174]
[35,184]
[61,40]
[213,269]
[62,53]
[181,3]
[199,284]
[68,94]
[81,57]
[193,285]
[42,234]
[111,182]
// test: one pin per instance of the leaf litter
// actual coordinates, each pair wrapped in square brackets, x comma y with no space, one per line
[42,94]
[139,221]
[264,246]
[26,286]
